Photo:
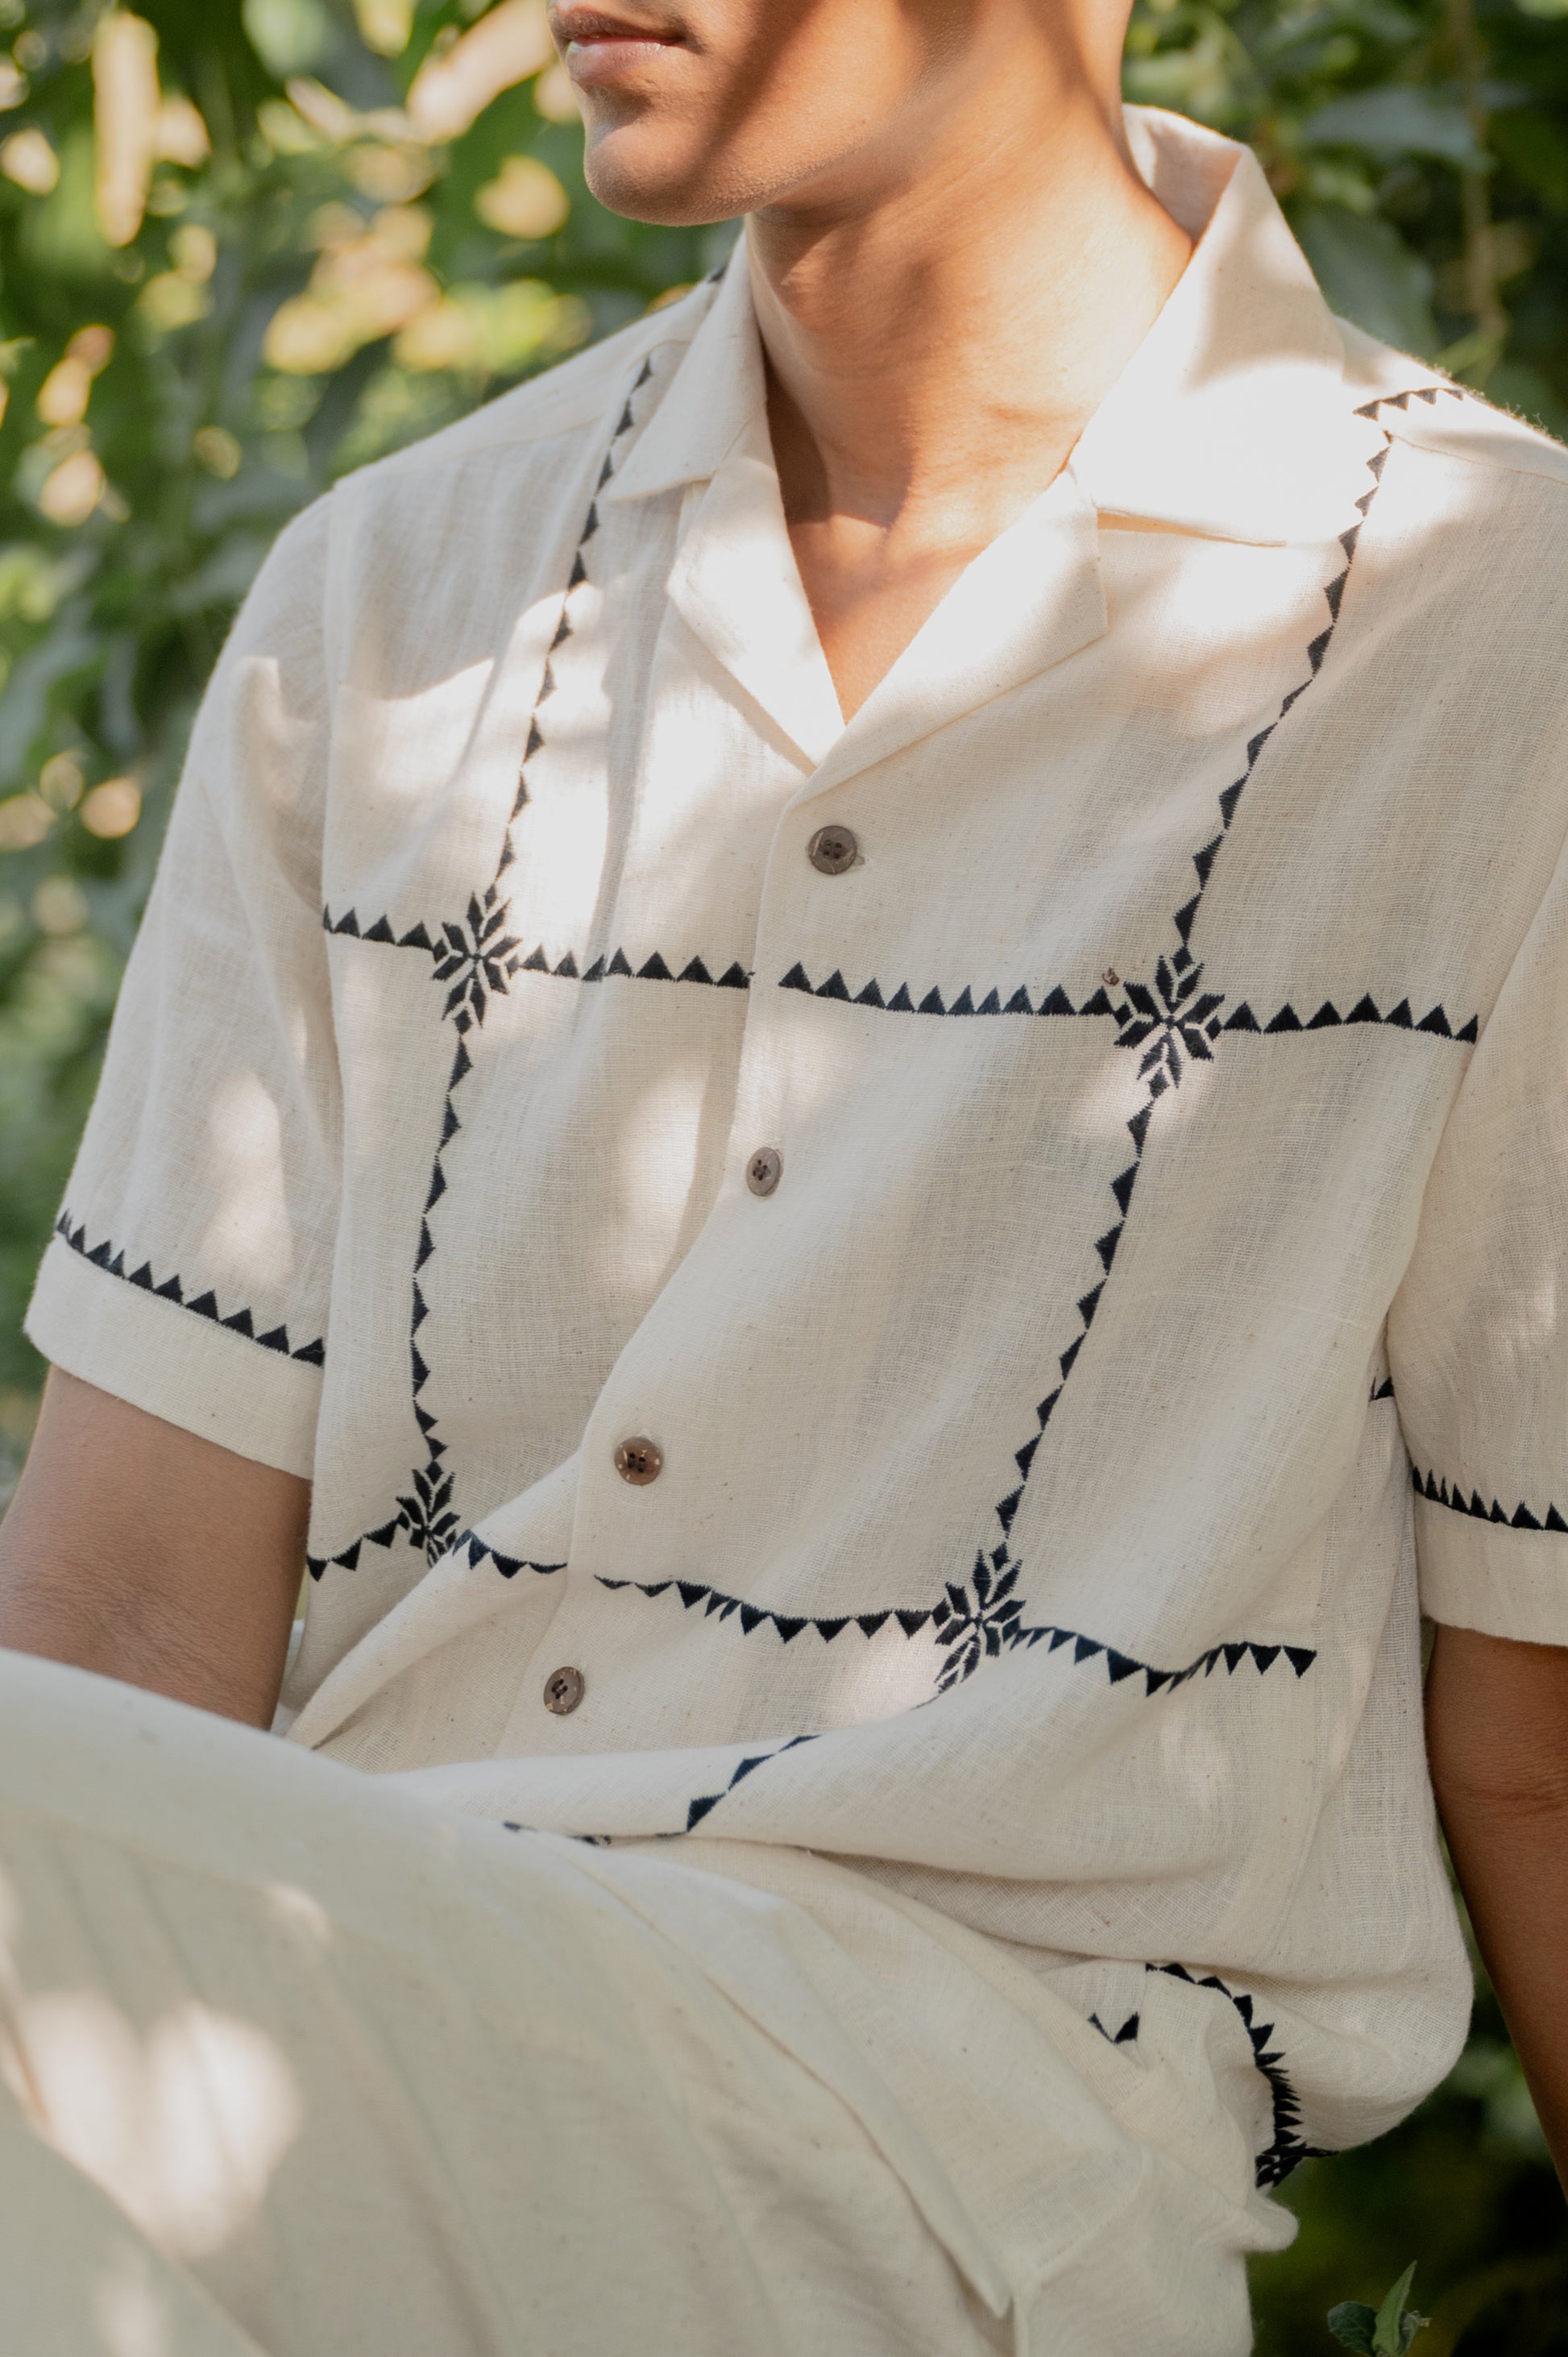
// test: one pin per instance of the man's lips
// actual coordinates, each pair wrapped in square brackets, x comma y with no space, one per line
[599,47]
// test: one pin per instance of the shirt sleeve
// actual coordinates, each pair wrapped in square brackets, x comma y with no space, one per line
[1478,1333]
[189,1268]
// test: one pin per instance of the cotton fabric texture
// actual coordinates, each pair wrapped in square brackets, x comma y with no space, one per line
[1161,1301]
[292,2062]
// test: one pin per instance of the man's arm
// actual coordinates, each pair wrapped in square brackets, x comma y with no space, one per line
[1497,1726]
[138,1550]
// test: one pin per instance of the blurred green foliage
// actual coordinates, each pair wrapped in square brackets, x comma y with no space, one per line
[243,248]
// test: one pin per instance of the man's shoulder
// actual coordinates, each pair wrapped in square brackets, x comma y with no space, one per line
[1422,408]
[569,401]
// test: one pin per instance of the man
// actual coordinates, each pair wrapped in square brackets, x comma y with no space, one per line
[853,1034]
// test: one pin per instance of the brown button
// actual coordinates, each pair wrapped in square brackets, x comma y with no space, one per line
[832,849]
[563,1690]
[764,1170]
[639,1460]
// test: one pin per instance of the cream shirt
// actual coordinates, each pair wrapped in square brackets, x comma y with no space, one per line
[1166,1277]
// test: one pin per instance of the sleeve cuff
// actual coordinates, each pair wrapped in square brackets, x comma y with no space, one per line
[1476,1574]
[174,1361]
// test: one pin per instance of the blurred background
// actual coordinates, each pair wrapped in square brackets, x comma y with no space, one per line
[247,244]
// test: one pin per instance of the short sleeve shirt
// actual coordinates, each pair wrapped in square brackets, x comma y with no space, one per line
[939,1290]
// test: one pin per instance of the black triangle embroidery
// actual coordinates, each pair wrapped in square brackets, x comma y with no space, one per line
[654,969]
[901,1003]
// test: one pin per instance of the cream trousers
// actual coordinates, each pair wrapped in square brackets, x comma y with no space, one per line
[295,2063]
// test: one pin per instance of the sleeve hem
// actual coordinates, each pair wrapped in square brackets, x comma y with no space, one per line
[1504,1582]
[166,1359]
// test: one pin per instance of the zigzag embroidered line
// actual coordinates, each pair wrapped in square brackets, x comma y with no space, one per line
[1430,393]
[1178,1023]
[1427,1485]
[1365,1010]
[904,1001]
[1128,2031]
[478,1549]
[697,1809]
[470,958]
[787,1625]
[1122,1665]
[1317,648]
[1286,2150]
[1139,1015]
[990,1619]
[497,961]
[111,1261]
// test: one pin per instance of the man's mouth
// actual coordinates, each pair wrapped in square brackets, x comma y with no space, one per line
[598,47]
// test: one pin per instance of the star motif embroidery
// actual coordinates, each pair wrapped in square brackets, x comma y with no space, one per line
[1173,1019]
[975,1623]
[427,1516]
[473,957]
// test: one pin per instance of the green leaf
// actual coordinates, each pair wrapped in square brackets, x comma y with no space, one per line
[1389,2337]
[1369,275]
[1398,120]
[1352,2324]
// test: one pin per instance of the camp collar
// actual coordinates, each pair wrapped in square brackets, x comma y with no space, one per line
[1232,418]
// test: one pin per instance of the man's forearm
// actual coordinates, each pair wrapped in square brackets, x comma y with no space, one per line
[144,1553]
[1498,1734]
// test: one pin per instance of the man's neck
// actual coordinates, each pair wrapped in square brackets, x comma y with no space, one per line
[936,344]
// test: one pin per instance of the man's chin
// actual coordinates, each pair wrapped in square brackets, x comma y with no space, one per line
[629,176]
